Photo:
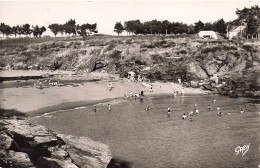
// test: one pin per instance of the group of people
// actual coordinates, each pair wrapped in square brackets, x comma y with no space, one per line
[135,94]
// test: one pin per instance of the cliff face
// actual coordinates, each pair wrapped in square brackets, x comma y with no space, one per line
[157,58]
[24,145]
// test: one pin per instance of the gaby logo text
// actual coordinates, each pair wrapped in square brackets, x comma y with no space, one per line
[242,149]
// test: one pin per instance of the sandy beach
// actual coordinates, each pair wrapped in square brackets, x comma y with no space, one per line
[33,100]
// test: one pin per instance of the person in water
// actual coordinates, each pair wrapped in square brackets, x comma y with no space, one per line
[142,93]
[214,100]
[174,94]
[229,113]
[242,111]
[109,107]
[184,116]
[195,107]
[169,109]
[209,107]
[197,112]
[191,113]
[94,108]
[148,108]
[218,110]
[182,91]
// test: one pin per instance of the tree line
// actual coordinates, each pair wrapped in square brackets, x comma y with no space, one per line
[25,29]
[166,27]
[70,28]
[248,17]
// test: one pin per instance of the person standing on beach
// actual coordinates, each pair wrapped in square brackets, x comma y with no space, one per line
[109,107]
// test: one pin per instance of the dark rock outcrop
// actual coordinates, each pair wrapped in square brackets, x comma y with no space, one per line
[25,145]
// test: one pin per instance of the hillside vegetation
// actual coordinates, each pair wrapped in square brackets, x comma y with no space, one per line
[196,61]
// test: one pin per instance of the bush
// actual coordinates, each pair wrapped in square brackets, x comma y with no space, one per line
[128,41]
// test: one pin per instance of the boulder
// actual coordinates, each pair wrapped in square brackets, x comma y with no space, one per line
[84,151]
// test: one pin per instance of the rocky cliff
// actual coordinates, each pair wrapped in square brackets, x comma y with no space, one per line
[24,145]
[197,61]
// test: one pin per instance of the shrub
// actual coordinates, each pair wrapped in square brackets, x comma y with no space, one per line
[128,41]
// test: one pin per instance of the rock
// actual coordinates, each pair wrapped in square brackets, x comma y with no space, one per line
[84,151]
[207,86]
[26,145]
[194,84]
[55,163]
[15,159]
[115,163]
[196,71]
[5,141]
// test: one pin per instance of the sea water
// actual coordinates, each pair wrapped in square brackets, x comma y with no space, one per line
[157,139]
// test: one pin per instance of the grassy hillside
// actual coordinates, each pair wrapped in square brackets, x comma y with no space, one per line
[156,57]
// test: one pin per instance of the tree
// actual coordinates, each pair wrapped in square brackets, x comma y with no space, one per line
[61,29]
[15,30]
[166,26]
[118,28]
[54,28]
[26,29]
[5,29]
[37,31]
[86,29]
[250,17]
[220,26]
[70,27]
[199,26]
[208,26]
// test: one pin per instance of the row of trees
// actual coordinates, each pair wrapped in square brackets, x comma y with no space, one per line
[166,27]
[25,29]
[70,27]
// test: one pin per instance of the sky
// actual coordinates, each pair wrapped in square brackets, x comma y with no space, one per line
[107,13]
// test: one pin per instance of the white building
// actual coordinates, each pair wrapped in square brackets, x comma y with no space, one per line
[208,34]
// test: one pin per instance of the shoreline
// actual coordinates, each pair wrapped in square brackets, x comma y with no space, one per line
[31,100]
[82,104]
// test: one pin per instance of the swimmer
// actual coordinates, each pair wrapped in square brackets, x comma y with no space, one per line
[197,112]
[169,109]
[229,113]
[148,108]
[109,107]
[209,107]
[195,107]
[242,111]
[184,116]
[191,113]
[94,108]
[220,113]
